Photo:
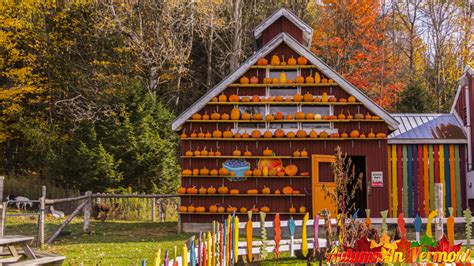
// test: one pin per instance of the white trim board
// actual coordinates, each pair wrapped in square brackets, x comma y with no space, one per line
[301,50]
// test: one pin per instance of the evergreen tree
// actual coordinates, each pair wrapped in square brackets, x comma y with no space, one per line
[413,99]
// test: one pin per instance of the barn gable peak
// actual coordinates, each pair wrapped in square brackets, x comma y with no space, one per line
[283,21]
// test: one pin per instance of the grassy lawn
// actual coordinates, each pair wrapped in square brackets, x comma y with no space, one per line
[109,243]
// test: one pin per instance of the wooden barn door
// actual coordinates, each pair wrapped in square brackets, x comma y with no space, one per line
[319,199]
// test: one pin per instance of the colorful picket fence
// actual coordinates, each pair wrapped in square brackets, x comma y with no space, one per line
[414,169]
[221,245]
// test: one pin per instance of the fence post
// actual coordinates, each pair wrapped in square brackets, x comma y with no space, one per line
[153,204]
[41,222]
[439,206]
[87,211]
[2,180]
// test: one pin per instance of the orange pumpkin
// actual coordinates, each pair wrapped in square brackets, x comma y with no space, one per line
[205,116]
[234,98]
[248,173]
[235,114]
[244,80]
[222,190]
[221,209]
[236,152]
[223,171]
[246,116]
[257,172]
[247,152]
[196,116]
[216,133]
[211,190]
[257,117]
[308,97]
[222,98]
[302,60]
[225,116]
[324,135]
[275,61]
[291,135]
[277,192]
[214,99]
[215,116]
[300,115]
[344,135]
[279,116]
[192,190]
[256,134]
[267,152]
[269,117]
[299,79]
[267,80]
[200,209]
[202,190]
[351,99]
[267,134]
[313,134]
[304,153]
[252,191]
[278,98]
[309,79]
[181,190]
[289,117]
[371,134]
[292,209]
[253,80]
[291,61]
[266,190]
[191,208]
[243,210]
[279,133]
[183,209]
[234,191]
[297,97]
[187,172]
[355,133]
[204,171]
[291,170]
[228,133]
[381,135]
[309,116]
[214,172]
[302,209]
[297,153]
[262,62]
[265,209]
[288,190]
[255,98]
[213,208]
[301,134]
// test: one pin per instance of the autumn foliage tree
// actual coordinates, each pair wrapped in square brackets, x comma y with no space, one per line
[351,37]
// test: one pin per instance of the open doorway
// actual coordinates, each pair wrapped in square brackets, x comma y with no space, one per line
[360,200]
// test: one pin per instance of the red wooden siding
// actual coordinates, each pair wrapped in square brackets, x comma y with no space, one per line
[279,26]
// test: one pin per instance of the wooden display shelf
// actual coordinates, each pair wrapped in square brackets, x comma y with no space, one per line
[243,157]
[285,103]
[262,85]
[281,139]
[287,121]
[228,176]
[254,213]
[282,67]
[241,195]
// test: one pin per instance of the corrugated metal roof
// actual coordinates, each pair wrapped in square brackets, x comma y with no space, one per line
[428,128]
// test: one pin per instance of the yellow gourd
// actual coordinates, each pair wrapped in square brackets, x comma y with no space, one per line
[282,77]
[324,98]
[275,61]
[265,170]
[317,78]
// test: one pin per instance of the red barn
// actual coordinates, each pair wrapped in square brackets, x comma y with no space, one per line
[279,118]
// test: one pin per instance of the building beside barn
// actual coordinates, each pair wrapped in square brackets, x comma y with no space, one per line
[264,138]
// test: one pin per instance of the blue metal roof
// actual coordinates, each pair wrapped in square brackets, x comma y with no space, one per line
[427,128]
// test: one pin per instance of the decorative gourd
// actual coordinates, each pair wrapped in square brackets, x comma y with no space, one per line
[323,134]
[317,99]
[292,209]
[297,153]
[253,80]
[297,97]
[197,152]
[201,134]
[277,192]
[267,135]
[341,116]
[204,171]
[299,79]
[288,190]
[278,98]
[222,98]
[246,116]
[291,170]
[211,153]
[222,190]
[269,117]
[332,99]
[200,209]
[344,135]
[205,116]
[309,116]
[213,208]
[234,191]
[245,135]
[181,190]
[223,172]
[208,135]
[292,61]
[187,172]
[214,172]
[334,135]
[267,80]
[236,152]
[191,208]
[215,116]
[282,77]
[214,99]
[202,190]
[282,63]
[371,134]
[189,153]
[359,116]
[255,98]
[192,190]
[279,133]
[211,190]
[317,77]
[304,153]
[216,133]
[225,116]
[324,80]
[247,152]
[221,209]
[302,60]
[196,116]
[381,135]
[308,97]
[237,135]
[317,117]
[299,115]
[195,171]
[248,173]
[245,99]
[309,79]
[324,98]
[291,135]
[289,117]
[266,190]
[301,134]
[351,99]
[244,80]
[267,152]
[349,116]
[183,135]
[362,135]
[183,208]
[275,61]
[234,98]
[243,210]
[228,133]
[302,209]
[279,116]
[252,191]
[313,134]
[262,62]
[235,114]
[256,134]
[257,117]
[368,116]
[257,172]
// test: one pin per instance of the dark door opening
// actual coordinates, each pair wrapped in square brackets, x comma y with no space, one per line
[360,199]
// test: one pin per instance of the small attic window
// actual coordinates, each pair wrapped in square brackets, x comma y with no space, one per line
[282,91]
[290,74]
